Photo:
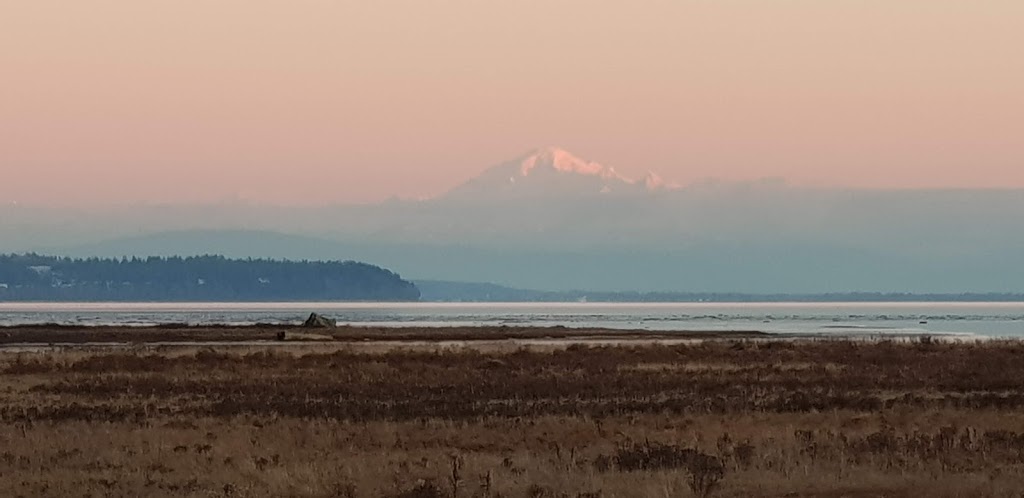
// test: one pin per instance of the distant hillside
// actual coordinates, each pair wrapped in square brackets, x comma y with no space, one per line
[444,291]
[32,277]
[553,221]
[470,292]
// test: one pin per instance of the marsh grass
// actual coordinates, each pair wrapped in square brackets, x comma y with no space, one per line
[716,418]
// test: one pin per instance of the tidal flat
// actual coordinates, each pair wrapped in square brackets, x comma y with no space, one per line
[726,416]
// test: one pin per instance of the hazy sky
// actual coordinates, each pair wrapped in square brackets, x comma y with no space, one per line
[338,101]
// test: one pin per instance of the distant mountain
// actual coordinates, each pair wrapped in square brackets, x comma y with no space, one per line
[555,173]
[551,221]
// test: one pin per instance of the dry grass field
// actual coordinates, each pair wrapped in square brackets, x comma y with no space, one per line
[717,418]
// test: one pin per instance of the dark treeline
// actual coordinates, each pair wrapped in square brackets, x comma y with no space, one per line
[32,277]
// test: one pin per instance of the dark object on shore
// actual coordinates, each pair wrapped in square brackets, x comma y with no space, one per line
[319,321]
[281,335]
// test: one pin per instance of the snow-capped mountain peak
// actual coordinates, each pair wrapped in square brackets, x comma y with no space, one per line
[553,172]
[653,181]
[554,158]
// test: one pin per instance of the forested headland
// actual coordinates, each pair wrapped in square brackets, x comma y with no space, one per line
[33,277]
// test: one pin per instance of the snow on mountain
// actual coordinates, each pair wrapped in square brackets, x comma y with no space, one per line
[553,158]
[553,172]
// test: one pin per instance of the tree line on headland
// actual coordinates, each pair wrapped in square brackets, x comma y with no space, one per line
[33,277]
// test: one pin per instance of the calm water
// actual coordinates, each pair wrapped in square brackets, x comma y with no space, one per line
[982,319]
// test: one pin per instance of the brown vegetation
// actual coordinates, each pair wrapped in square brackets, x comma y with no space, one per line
[714,418]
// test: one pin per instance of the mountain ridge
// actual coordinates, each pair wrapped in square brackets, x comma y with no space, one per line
[750,237]
[552,172]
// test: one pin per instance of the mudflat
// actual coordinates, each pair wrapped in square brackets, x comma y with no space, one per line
[729,417]
[170,333]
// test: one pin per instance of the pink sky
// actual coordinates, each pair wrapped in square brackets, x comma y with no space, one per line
[350,101]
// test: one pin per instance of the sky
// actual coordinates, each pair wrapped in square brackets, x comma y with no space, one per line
[317,101]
